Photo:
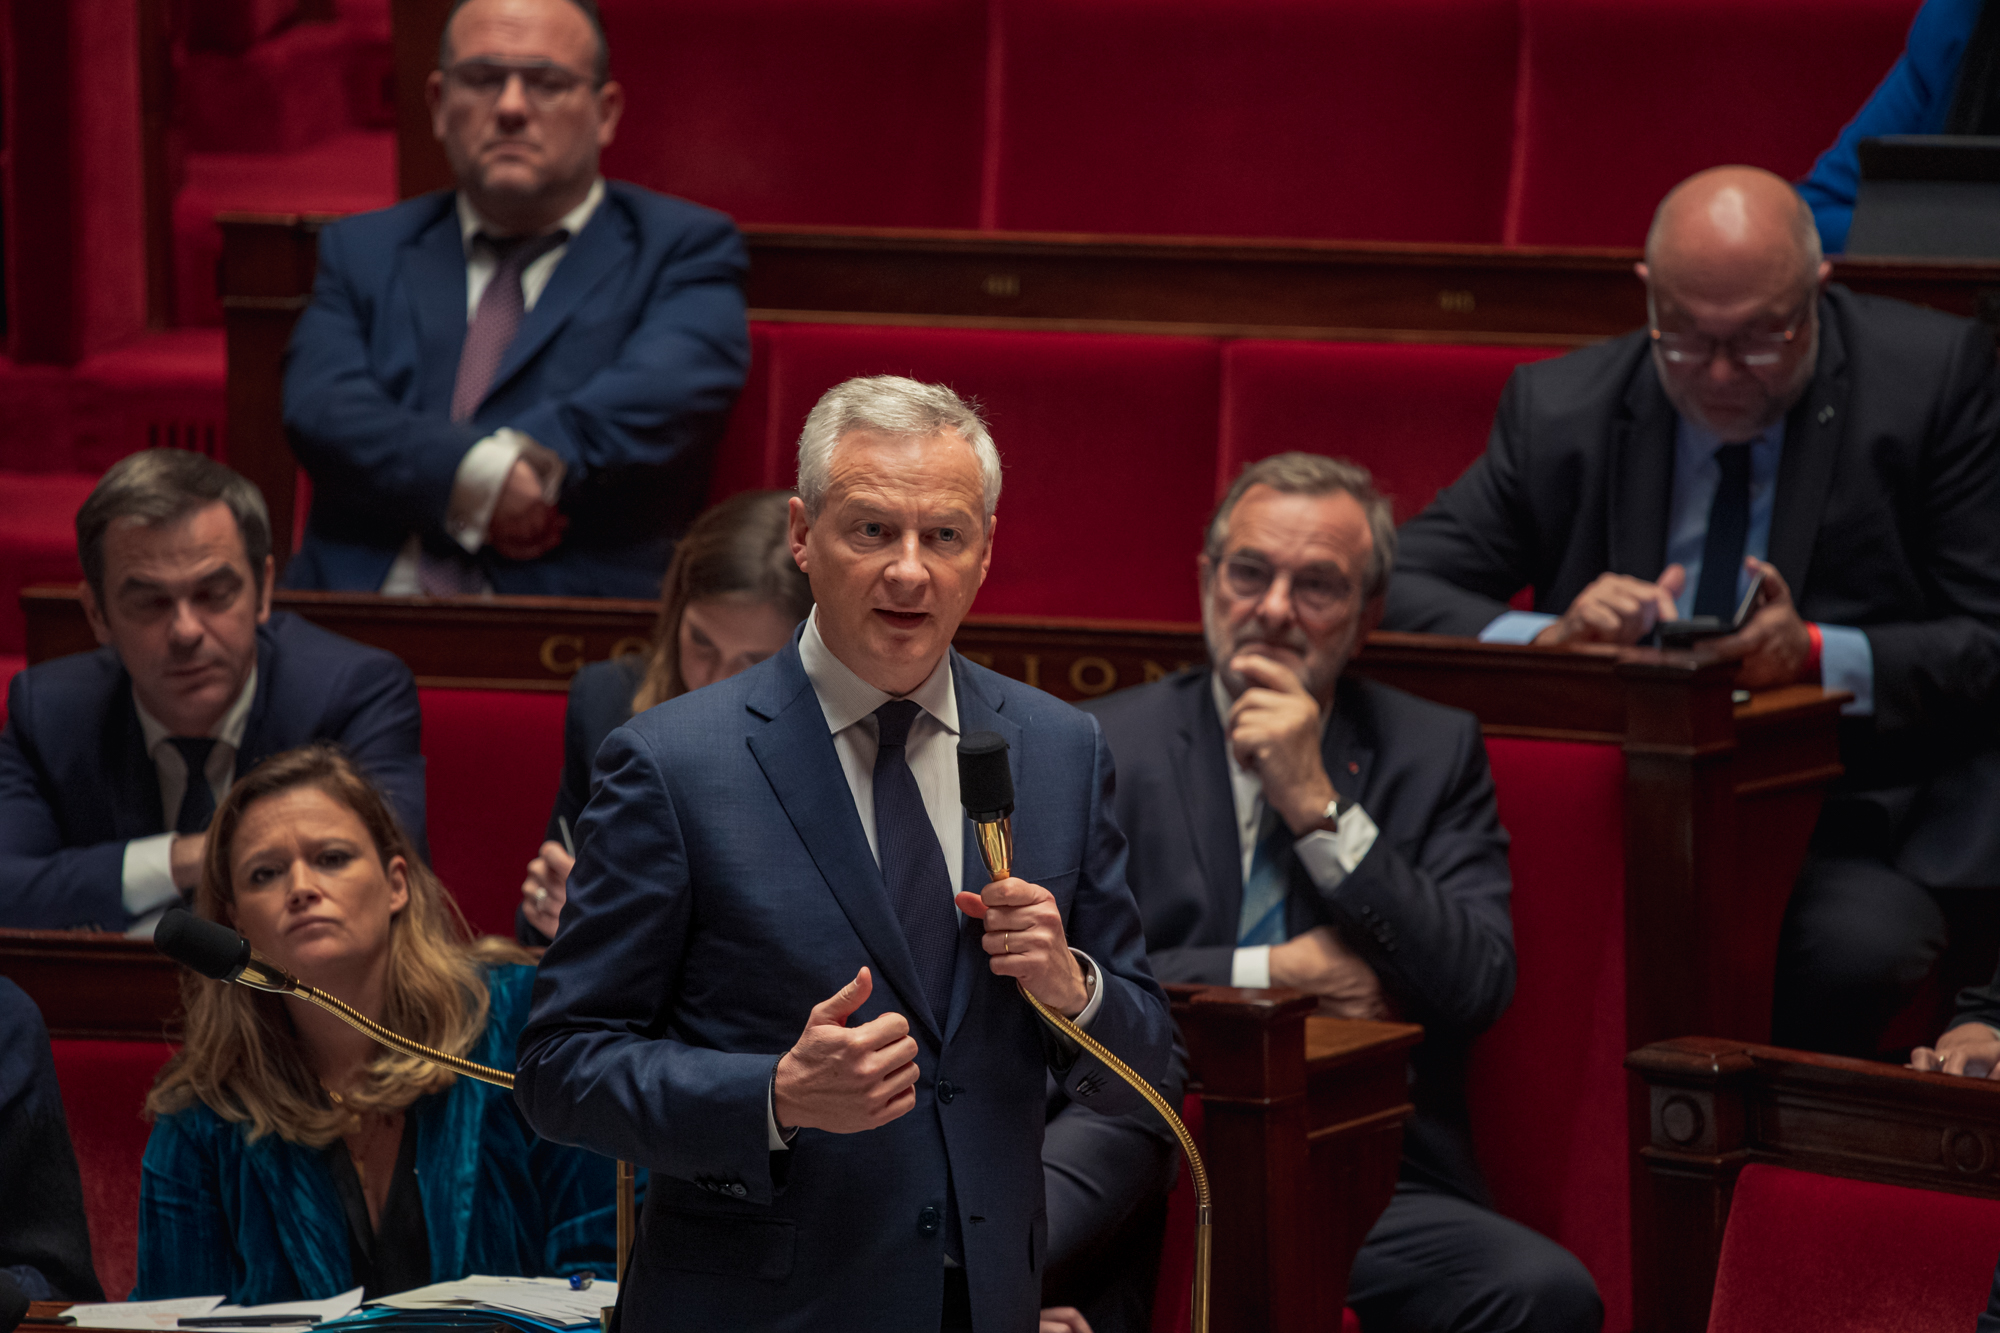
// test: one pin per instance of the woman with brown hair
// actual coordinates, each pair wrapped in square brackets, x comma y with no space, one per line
[292,1157]
[731,598]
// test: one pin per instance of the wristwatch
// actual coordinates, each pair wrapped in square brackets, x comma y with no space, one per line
[1329,819]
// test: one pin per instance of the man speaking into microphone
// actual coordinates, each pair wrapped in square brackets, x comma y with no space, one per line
[782,981]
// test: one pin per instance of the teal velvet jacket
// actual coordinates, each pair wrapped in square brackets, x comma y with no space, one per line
[262,1222]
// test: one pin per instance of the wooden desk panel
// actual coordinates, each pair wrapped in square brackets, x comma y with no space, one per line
[1713,1106]
[92,985]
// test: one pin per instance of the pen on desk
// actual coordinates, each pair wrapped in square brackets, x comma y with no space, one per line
[247,1320]
[569,843]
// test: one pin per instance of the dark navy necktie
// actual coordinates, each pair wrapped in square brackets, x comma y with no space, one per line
[198,799]
[913,864]
[1728,527]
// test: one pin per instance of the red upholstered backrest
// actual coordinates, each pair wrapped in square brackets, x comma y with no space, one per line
[1171,1311]
[1822,1254]
[1622,98]
[37,540]
[1415,414]
[1108,443]
[104,1086]
[493,759]
[1548,1081]
[867,113]
[1356,119]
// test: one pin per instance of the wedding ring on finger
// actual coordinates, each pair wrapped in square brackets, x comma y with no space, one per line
[541,896]
[1006,941]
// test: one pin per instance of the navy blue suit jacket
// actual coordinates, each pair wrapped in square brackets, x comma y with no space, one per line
[1426,908]
[724,887]
[626,368]
[76,783]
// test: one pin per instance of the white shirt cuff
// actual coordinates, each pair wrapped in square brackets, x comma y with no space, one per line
[1847,662]
[147,879]
[1516,627]
[1093,980]
[1251,967]
[778,1141]
[1330,858]
[481,476]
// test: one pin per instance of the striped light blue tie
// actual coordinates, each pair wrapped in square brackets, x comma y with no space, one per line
[1263,918]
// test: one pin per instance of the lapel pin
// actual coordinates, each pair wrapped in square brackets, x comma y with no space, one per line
[1353,767]
[1826,414]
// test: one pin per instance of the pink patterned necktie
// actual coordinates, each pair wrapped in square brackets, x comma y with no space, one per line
[497,319]
[491,331]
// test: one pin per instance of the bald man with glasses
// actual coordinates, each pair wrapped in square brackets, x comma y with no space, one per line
[515,386]
[1828,457]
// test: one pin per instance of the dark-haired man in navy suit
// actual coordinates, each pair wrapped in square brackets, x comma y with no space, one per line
[113,760]
[783,982]
[515,386]
[1295,826]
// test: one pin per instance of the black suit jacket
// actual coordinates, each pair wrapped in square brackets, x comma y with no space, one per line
[1427,907]
[76,783]
[1887,519]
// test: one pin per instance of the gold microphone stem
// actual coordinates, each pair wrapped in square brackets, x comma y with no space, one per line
[996,845]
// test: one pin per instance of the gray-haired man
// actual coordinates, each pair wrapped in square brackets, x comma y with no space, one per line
[113,760]
[1294,826]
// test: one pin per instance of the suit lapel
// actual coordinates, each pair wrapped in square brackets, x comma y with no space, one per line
[134,786]
[256,742]
[1805,465]
[976,712]
[593,256]
[433,267]
[1208,801]
[1642,477]
[795,752]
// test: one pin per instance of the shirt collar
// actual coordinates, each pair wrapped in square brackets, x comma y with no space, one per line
[229,729]
[470,223]
[1698,443]
[845,698]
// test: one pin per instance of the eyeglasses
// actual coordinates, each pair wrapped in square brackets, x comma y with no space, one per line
[1317,590]
[543,84]
[1752,351]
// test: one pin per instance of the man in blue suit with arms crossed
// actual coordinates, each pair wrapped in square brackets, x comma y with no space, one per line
[762,989]
[515,386]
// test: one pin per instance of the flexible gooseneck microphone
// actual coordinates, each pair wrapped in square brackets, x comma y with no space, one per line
[219,953]
[986,788]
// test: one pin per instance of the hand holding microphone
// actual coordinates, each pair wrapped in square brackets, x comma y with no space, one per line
[1025,940]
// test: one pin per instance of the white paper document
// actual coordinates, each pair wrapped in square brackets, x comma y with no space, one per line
[140,1314]
[308,1312]
[547,1298]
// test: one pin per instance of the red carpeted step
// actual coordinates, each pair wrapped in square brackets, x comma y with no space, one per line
[37,540]
[350,172]
[162,390]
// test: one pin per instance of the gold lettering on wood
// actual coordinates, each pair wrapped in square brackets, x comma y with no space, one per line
[562,654]
[1001,285]
[632,643]
[984,659]
[1153,671]
[1456,302]
[1090,676]
[1031,671]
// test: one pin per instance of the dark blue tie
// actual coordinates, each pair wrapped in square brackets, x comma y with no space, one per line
[1728,526]
[198,800]
[912,861]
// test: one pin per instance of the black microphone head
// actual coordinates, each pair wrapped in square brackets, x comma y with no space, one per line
[209,948]
[985,783]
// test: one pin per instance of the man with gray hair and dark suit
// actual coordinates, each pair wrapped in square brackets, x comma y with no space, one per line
[1292,825]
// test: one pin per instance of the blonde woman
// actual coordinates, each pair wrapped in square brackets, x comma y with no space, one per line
[292,1157]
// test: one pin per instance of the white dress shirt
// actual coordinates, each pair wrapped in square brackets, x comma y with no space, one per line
[482,473]
[1328,858]
[931,750]
[148,874]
